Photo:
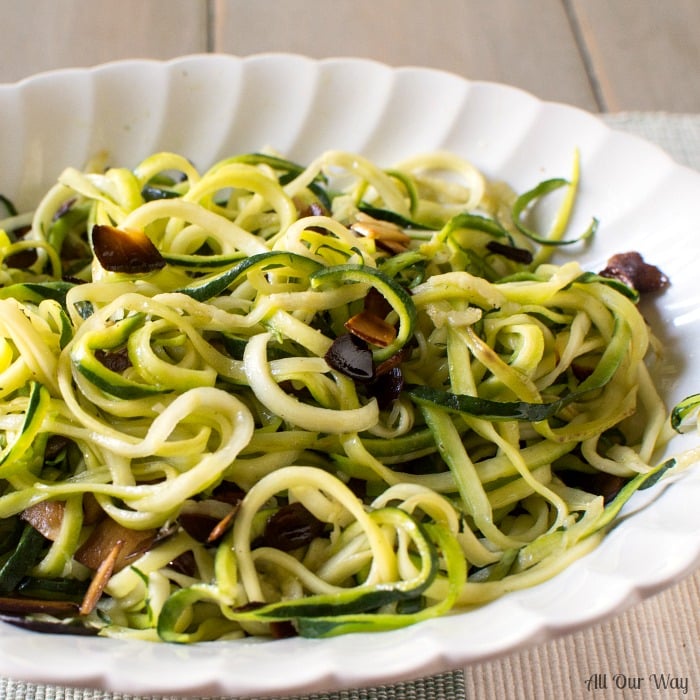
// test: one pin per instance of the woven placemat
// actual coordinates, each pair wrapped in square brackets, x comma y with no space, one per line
[656,643]
[677,134]
[443,686]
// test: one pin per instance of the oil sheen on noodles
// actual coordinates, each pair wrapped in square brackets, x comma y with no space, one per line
[273,399]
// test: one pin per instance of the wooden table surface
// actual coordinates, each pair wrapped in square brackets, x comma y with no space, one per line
[601,55]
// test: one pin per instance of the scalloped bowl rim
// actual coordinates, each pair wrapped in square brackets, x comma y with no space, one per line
[252,667]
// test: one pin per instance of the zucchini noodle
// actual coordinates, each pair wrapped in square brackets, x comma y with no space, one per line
[270,399]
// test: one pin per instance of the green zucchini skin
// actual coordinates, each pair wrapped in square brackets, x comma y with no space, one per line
[181,408]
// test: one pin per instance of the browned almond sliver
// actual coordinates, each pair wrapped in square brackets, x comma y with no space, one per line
[30,606]
[105,536]
[46,517]
[222,526]
[207,521]
[119,250]
[376,303]
[92,510]
[102,575]
[371,328]
[387,234]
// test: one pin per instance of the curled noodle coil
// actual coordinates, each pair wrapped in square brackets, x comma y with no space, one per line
[506,412]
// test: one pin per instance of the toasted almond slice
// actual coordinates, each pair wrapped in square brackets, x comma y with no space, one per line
[46,517]
[385,233]
[207,520]
[31,606]
[92,510]
[390,246]
[103,538]
[221,527]
[102,575]
[371,328]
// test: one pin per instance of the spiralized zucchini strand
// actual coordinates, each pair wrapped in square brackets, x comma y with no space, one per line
[309,399]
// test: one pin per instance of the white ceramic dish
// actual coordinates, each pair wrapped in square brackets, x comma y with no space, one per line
[210,106]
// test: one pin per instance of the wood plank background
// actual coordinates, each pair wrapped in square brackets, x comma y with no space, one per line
[600,55]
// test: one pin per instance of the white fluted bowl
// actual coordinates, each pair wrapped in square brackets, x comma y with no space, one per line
[207,107]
